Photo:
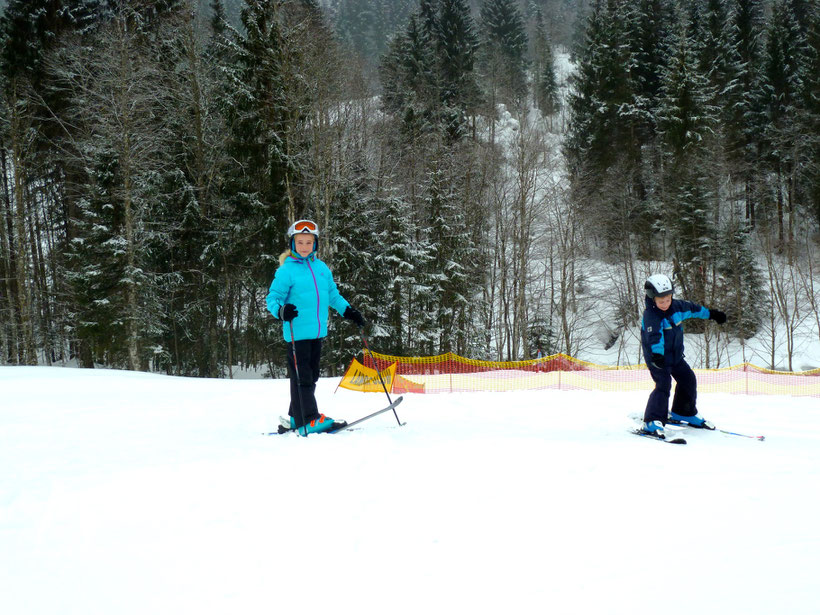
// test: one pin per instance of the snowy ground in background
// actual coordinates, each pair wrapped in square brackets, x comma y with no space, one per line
[125,493]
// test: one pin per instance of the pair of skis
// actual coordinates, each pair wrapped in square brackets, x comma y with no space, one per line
[681,440]
[344,426]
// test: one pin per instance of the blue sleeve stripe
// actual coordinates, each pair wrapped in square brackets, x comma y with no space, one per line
[679,317]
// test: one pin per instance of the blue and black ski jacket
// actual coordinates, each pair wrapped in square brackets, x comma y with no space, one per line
[662,332]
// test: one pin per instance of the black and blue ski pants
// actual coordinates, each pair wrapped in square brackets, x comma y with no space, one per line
[686,392]
[303,388]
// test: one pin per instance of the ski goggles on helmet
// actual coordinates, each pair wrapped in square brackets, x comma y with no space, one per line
[303,226]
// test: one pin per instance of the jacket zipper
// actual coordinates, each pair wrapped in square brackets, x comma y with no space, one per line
[316,286]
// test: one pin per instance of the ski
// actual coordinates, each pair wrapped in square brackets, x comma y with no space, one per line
[646,434]
[283,430]
[341,425]
[709,426]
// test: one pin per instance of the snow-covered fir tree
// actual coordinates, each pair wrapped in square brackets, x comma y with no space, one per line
[685,123]
[456,45]
[406,256]
[504,51]
[545,85]
[744,130]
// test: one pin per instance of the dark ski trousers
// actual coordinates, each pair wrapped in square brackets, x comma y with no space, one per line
[686,392]
[308,353]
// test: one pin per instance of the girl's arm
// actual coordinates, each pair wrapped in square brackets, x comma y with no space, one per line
[278,292]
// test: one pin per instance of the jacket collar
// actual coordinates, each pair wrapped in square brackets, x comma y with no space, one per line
[302,259]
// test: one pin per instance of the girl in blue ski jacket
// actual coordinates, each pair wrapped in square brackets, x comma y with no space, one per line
[300,296]
[662,341]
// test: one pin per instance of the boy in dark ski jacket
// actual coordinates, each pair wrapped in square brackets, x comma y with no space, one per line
[300,296]
[662,341]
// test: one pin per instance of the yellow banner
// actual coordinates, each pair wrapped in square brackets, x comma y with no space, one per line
[361,378]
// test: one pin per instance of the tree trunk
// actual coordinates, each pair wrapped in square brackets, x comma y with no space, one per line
[26,350]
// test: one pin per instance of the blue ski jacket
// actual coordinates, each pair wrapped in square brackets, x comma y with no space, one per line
[662,332]
[308,284]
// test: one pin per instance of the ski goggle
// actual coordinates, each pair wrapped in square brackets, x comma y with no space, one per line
[303,226]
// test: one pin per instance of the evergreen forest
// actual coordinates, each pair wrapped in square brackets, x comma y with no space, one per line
[494,178]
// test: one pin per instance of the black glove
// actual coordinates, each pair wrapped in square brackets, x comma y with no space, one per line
[659,361]
[353,314]
[718,316]
[288,312]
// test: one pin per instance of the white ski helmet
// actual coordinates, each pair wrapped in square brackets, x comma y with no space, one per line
[658,285]
[304,226]
[308,227]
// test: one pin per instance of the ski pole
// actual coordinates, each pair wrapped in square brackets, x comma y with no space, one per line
[298,381]
[390,401]
[742,435]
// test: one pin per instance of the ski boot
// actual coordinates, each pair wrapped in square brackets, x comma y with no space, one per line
[655,429]
[696,421]
[317,425]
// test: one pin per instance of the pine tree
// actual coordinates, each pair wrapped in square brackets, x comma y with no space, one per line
[811,119]
[427,75]
[504,50]
[456,45]
[30,31]
[603,146]
[545,85]
[685,122]
[357,267]
[785,63]
[745,125]
[218,18]
[118,95]
[648,33]
[266,109]
[596,135]
[449,285]
[712,44]
[404,258]
[410,81]
[740,284]
[708,26]
[197,334]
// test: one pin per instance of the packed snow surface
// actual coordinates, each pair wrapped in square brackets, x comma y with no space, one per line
[125,493]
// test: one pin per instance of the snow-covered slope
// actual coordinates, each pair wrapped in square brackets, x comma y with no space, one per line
[134,494]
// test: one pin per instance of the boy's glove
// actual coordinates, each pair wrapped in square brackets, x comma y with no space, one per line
[718,316]
[353,314]
[659,361]
[288,312]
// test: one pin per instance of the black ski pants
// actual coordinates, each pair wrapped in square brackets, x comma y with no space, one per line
[303,388]
[686,392]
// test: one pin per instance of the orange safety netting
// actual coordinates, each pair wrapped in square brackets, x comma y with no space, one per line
[449,373]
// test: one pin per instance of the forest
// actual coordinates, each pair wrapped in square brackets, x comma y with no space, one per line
[494,178]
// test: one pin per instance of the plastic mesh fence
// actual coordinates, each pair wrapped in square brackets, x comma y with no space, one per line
[450,373]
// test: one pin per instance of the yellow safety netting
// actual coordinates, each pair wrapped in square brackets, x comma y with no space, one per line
[452,373]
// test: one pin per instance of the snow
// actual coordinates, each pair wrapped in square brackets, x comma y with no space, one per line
[133,493]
